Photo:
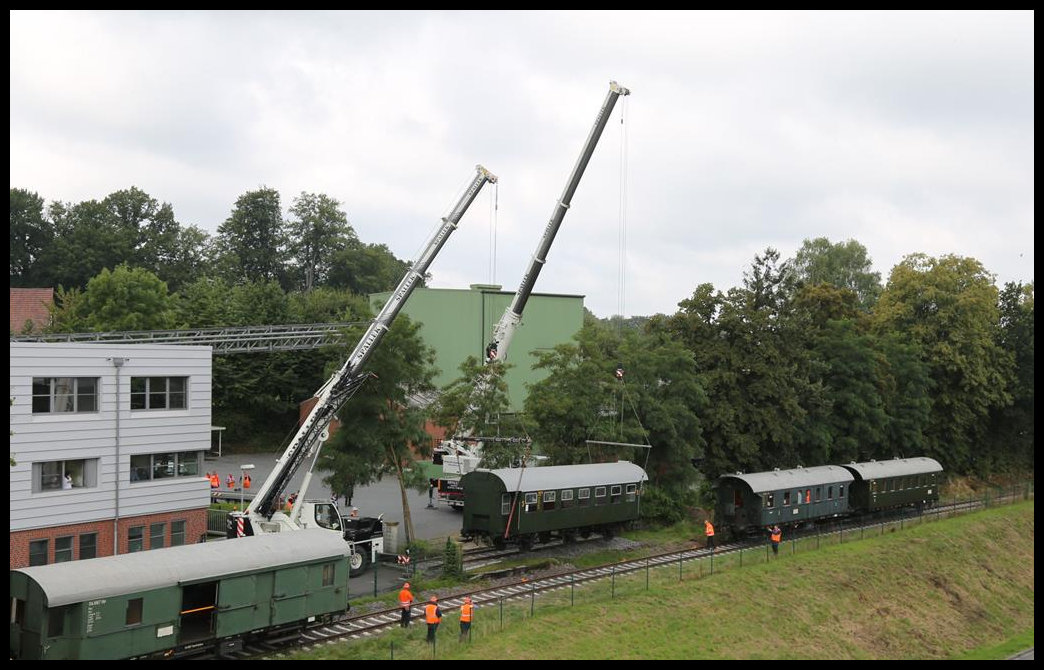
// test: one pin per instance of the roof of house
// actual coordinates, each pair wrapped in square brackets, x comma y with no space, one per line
[30,304]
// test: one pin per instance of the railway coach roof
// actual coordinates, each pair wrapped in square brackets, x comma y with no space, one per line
[105,577]
[549,477]
[897,467]
[777,480]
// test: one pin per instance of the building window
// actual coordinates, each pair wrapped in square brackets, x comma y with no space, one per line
[38,552]
[157,534]
[88,545]
[63,549]
[177,533]
[65,394]
[134,609]
[51,475]
[159,392]
[135,538]
[147,467]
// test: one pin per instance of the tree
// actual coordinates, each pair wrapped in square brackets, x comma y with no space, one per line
[366,268]
[1011,433]
[844,265]
[948,306]
[382,426]
[468,405]
[31,233]
[124,299]
[319,230]
[252,241]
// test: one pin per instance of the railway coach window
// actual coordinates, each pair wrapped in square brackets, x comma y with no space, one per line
[567,498]
[770,500]
[632,490]
[531,502]
[584,497]
[819,493]
[599,495]
[615,493]
[134,609]
[830,493]
[56,620]
[505,504]
[549,499]
[840,491]
[786,498]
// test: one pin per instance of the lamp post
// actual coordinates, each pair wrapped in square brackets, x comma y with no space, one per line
[242,478]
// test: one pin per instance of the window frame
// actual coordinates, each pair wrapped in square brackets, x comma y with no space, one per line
[145,395]
[82,401]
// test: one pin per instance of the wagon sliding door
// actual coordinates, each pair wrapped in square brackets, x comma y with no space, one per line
[198,603]
[243,604]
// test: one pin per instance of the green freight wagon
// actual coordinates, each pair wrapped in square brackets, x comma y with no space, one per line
[179,600]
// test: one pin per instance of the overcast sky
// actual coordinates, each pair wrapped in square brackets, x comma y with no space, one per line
[905,131]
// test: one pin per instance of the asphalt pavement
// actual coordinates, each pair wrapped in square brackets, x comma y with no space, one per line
[384,497]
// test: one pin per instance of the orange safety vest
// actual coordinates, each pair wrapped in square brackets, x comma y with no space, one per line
[465,612]
[246,482]
[777,536]
[709,530]
[215,483]
[405,598]
[230,482]
[431,613]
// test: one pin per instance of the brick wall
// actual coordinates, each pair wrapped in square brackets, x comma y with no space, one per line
[195,528]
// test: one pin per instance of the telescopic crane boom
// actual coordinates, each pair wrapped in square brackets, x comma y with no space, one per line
[263,514]
[456,458]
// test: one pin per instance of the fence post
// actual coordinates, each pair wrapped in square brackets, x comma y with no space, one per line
[646,573]
[612,589]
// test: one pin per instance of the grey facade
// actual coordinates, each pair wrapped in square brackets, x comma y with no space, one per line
[132,436]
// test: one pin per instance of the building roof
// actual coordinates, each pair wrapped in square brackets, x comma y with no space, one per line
[778,480]
[897,467]
[547,477]
[31,304]
[109,576]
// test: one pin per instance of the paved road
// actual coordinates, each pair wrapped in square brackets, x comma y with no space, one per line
[383,497]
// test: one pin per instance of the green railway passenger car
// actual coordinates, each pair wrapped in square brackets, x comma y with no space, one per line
[528,505]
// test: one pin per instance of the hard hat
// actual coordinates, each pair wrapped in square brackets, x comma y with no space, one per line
[406,585]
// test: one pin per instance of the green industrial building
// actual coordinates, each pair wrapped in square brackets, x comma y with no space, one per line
[458,323]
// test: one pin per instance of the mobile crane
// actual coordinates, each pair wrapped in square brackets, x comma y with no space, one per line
[462,454]
[263,515]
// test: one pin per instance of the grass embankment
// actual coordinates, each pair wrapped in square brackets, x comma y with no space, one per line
[956,588]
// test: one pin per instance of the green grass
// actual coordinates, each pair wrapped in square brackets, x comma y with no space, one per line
[955,588]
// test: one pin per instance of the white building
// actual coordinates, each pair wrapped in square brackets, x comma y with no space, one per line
[107,446]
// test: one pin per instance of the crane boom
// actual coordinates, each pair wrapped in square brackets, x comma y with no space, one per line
[346,381]
[457,458]
[512,318]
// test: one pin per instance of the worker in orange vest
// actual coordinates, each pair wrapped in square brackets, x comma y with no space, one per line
[405,604]
[466,612]
[775,534]
[432,615]
[230,481]
[708,529]
[246,481]
[215,481]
